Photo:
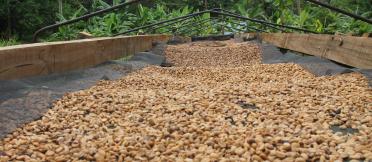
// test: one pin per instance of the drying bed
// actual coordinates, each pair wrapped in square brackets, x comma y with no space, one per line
[25,100]
[213,53]
[208,107]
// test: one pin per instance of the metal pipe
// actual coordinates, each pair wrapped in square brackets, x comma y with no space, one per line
[246,26]
[162,22]
[198,23]
[263,22]
[84,17]
[224,25]
[193,23]
[241,30]
[188,30]
[249,27]
[231,28]
[341,11]
[271,26]
[212,20]
[216,11]
[158,27]
[253,28]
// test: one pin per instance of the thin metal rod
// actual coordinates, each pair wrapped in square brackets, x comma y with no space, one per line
[241,30]
[187,30]
[218,11]
[358,17]
[206,20]
[243,25]
[224,25]
[198,23]
[190,23]
[169,24]
[271,26]
[162,22]
[231,28]
[84,17]
[215,11]
[249,27]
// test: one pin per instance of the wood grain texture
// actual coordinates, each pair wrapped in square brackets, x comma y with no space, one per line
[55,57]
[348,50]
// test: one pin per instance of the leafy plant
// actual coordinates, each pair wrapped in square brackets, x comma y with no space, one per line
[8,42]
[24,21]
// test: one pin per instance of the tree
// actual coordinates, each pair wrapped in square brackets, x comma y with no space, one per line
[9,22]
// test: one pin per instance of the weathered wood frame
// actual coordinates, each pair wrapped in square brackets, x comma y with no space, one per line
[46,58]
[55,57]
[348,50]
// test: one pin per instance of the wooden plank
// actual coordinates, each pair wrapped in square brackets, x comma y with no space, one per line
[367,35]
[55,57]
[348,50]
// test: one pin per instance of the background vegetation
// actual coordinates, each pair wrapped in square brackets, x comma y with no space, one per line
[20,18]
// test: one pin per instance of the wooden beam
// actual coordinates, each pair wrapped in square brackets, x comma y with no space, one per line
[367,35]
[348,50]
[55,57]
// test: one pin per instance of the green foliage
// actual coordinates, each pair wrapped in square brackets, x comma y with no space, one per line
[306,15]
[8,42]
[121,21]
[196,4]
[29,15]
